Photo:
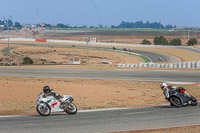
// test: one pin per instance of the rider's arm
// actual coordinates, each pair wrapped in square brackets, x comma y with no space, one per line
[167,93]
[55,95]
[187,94]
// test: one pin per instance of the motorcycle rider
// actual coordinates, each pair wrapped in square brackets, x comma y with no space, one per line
[48,92]
[166,89]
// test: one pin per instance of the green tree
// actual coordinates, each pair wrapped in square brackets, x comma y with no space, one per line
[2,22]
[145,41]
[160,41]
[60,25]
[27,60]
[47,25]
[192,42]
[175,42]
[18,25]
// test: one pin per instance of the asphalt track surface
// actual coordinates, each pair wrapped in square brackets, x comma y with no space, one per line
[152,56]
[160,76]
[104,121]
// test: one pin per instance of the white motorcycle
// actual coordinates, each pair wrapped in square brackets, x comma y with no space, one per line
[47,105]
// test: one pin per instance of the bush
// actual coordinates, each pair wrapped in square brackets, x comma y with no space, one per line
[145,41]
[176,42]
[27,60]
[160,41]
[192,42]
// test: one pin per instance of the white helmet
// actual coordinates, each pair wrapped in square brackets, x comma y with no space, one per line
[163,85]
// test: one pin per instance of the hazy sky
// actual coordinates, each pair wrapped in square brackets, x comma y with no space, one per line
[106,12]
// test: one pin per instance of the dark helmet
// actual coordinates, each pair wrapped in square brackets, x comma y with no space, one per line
[181,89]
[46,89]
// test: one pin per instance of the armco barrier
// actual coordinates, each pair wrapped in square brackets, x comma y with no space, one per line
[190,65]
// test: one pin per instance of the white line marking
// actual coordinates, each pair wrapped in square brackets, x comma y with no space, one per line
[96,110]
[182,83]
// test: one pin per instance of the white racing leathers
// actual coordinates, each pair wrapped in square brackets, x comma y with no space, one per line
[55,95]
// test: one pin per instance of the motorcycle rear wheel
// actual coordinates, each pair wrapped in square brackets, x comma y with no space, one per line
[71,109]
[43,109]
[176,102]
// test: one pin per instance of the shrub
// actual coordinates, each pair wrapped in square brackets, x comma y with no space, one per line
[145,41]
[176,42]
[192,42]
[27,60]
[160,41]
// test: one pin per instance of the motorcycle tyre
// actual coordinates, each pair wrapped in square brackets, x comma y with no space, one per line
[171,104]
[194,101]
[68,111]
[42,113]
[174,103]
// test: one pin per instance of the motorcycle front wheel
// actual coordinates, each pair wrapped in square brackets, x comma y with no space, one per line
[194,101]
[176,102]
[43,109]
[71,109]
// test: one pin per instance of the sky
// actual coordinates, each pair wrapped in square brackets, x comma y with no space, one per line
[182,13]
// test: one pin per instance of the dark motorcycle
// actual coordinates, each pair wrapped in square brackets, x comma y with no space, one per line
[180,97]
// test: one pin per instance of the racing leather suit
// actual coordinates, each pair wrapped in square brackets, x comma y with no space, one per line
[52,93]
[166,90]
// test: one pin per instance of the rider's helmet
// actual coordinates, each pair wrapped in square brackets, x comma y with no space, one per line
[46,89]
[163,86]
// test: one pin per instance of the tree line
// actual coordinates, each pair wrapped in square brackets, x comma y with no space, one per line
[141,24]
[160,40]
[123,24]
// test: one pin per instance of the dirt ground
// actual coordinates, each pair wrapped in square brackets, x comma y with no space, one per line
[186,129]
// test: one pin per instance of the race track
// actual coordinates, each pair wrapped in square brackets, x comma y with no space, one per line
[161,76]
[104,121]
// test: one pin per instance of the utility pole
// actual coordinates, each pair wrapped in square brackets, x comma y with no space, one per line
[8,39]
[87,41]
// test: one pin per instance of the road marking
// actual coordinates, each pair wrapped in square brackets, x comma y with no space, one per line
[184,83]
[96,110]
[9,116]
